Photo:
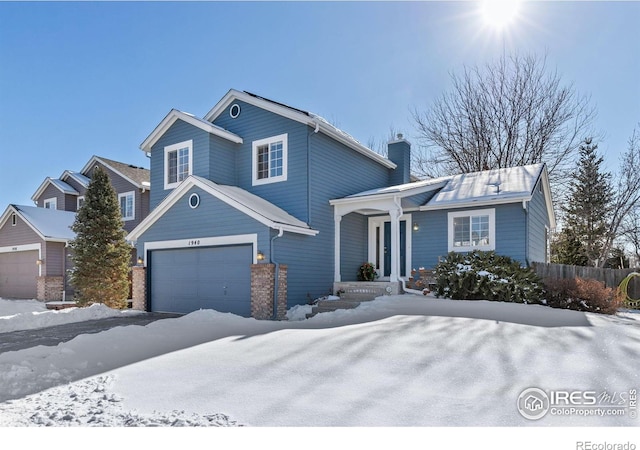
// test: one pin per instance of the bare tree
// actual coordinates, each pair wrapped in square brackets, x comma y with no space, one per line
[508,113]
[627,192]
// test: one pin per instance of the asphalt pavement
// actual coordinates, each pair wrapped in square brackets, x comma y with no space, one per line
[52,336]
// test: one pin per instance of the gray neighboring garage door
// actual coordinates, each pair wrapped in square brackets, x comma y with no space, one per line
[18,274]
[187,279]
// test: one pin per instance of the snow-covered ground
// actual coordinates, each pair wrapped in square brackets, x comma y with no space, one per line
[396,361]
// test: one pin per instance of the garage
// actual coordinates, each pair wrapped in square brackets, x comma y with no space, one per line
[187,279]
[18,274]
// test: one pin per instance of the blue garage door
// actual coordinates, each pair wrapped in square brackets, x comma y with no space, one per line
[187,279]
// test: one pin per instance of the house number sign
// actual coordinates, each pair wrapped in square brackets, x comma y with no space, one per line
[194,242]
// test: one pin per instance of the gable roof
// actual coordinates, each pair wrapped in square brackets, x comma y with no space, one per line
[298,115]
[173,116]
[78,177]
[255,207]
[138,176]
[50,224]
[486,188]
[58,184]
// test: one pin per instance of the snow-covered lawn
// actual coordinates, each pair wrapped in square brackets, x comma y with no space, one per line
[396,361]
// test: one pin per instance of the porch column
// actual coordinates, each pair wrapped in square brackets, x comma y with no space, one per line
[336,250]
[395,244]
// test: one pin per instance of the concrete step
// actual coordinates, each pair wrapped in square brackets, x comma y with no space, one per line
[332,305]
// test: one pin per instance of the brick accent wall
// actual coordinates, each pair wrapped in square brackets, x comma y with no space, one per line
[50,288]
[139,288]
[262,286]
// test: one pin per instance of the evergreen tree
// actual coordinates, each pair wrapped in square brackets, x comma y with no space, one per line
[566,248]
[100,252]
[588,206]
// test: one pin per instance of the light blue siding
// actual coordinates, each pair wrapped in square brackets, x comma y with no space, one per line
[430,242]
[178,132]
[254,124]
[212,218]
[539,223]
[354,245]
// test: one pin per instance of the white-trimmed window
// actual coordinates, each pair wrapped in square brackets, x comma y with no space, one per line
[472,230]
[269,160]
[178,163]
[51,203]
[79,202]
[127,202]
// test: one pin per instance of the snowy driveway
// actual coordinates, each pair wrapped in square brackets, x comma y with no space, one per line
[54,335]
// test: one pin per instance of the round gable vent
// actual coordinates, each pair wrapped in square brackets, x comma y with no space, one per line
[194,201]
[234,111]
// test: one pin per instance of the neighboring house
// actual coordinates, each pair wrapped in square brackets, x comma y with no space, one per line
[33,251]
[131,184]
[258,184]
[34,258]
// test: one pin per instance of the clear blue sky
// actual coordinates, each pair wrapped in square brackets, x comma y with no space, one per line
[78,79]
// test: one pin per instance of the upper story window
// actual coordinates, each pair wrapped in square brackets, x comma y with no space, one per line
[80,202]
[14,220]
[472,230]
[51,203]
[178,163]
[127,205]
[269,160]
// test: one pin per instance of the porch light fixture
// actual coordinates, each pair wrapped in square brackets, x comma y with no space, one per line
[40,262]
[140,260]
[260,256]
[416,227]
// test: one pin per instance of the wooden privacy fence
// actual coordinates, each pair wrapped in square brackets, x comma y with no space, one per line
[610,277]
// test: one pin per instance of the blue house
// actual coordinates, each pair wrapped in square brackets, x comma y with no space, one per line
[259,206]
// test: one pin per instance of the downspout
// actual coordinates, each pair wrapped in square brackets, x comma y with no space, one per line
[317,122]
[64,272]
[276,281]
[526,232]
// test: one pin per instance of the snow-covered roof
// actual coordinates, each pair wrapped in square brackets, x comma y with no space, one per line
[58,184]
[244,201]
[80,178]
[488,186]
[49,224]
[484,188]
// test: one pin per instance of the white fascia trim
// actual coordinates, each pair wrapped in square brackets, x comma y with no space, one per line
[13,210]
[491,212]
[174,115]
[546,187]
[289,113]
[43,186]
[68,174]
[21,248]
[204,242]
[183,188]
[388,195]
[475,204]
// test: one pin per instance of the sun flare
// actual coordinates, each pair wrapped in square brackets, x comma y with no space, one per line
[499,13]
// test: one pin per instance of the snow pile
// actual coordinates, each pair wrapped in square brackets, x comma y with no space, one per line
[86,403]
[395,361]
[30,314]
[299,312]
